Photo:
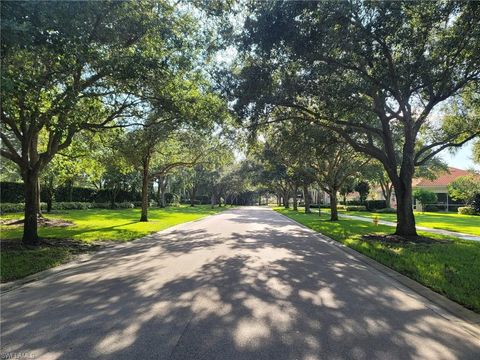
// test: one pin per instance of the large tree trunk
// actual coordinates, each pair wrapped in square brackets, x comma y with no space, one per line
[30,234]
[144,215]
[286,199]
[405,216]
[306,197]
[295,198]
[192,192]
[333,205]
[388,196]
[162,185]
[113,199]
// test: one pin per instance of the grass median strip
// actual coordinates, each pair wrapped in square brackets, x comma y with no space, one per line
[451,268]
[88,227]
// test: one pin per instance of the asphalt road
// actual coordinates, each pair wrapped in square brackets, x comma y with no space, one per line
[245,284]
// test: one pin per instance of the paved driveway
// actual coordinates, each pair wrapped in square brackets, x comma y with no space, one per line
[245,284]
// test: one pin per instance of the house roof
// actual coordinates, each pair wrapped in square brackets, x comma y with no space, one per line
[443,179]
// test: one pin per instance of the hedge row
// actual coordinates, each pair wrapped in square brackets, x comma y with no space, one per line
[19,207]
[369,204]
[11,192]
[352,207]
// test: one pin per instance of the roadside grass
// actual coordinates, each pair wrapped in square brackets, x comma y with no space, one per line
[88,226]
[451,268]
[467,224]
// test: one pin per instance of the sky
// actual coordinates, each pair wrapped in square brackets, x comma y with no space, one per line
[461,159]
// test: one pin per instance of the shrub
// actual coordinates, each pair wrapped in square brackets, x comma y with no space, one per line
[376,204]
[386,211]
[66,205]
[467,210]
[75,205]
[465,188]
[355,208]
[431,208]
[11,192]
[204,199]
[476,203]
[11,207]
[171,198]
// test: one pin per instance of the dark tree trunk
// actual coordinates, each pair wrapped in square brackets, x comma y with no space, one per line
[49,204]
[30,233]
[163,203]
[286,200]
[388,196]
[162,185]
[279,200]
[192,196]
[295,198]
[70,191]
[144,215]
[333,205]
[50,193]
[113,197]
[159,193]
[212,200]
[405,216]
[39,204]
[306,197]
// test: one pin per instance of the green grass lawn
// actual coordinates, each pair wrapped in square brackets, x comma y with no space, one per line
[468,224]
[452,268]
[89,226]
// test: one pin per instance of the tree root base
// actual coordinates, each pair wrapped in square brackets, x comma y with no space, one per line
[399,239]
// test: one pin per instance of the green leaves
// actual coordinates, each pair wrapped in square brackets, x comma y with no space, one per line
[465,188]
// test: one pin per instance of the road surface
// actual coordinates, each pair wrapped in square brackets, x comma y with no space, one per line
[244,284]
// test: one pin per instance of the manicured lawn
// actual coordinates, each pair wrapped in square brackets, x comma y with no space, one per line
[468,224]
[452,269]
[89,225]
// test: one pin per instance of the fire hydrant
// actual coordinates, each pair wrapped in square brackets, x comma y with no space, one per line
[375,220]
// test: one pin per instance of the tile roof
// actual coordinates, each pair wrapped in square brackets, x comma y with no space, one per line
[443,180]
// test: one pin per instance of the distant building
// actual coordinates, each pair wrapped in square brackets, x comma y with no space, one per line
[439,186]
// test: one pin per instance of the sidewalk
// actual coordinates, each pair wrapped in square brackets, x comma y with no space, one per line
[435,231]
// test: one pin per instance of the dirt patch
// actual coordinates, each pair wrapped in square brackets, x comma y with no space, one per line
[42,221]
[397,239]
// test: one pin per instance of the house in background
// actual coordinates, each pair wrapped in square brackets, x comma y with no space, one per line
[440,187]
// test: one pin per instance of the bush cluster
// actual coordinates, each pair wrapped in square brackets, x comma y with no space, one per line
[370,204]
[322,206]
[355,208]
[467,210]
[386,211]
[12,192]
[19,207]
